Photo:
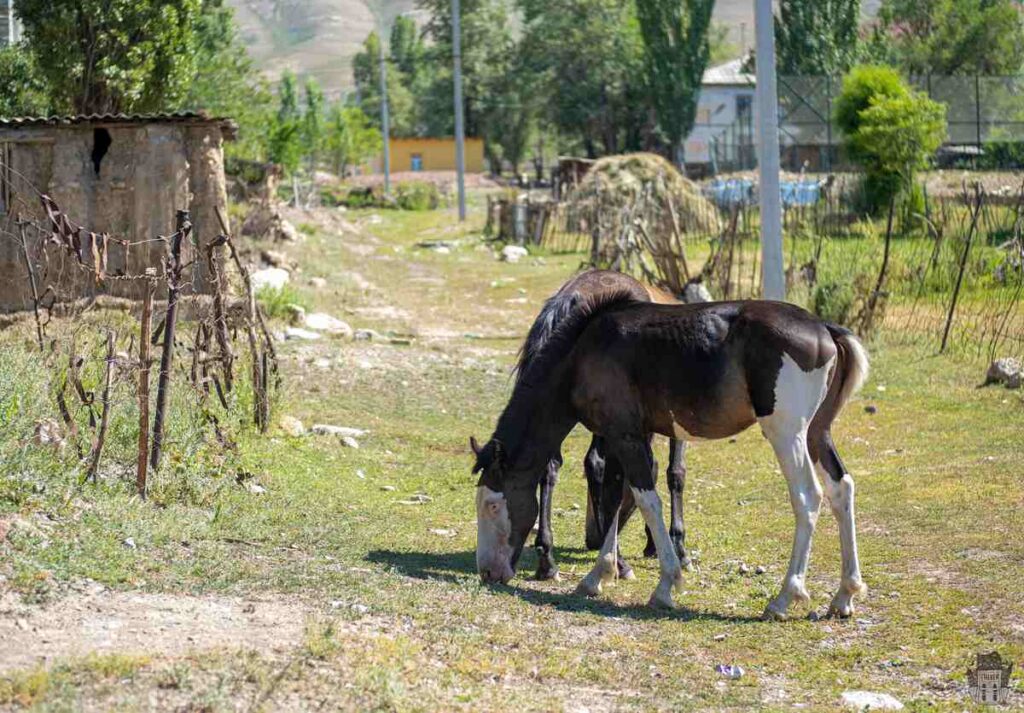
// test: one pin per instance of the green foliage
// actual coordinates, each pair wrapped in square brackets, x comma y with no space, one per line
[588,56]
[276,301]
[24,89]
[313,123]
[350,138]
[284,144]
[417,195]
[101,56]
[676,52]
[952,36]
[817,37]
[891,130]
[860,87]
[833,301]
[227,84]
[402,118]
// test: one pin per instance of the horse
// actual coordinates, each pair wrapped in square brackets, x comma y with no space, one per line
[602,502]
[626,369]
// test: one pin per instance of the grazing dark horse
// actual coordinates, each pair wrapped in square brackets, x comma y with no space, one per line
[604,479]
[627,369]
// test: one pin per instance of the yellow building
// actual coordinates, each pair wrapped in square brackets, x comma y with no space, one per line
[432,154]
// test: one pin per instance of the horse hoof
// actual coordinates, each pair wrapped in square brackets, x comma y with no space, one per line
[771,614]
[625,571]
[650,552]
[658,601]
[585,589]
[836,611]
[546,574]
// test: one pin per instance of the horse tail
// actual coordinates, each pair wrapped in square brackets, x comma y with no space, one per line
[850,373]
[852,370]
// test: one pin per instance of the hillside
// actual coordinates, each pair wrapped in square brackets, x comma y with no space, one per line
[320,37]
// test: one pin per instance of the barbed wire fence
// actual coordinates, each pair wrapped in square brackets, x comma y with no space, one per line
[953,281]
[100,372]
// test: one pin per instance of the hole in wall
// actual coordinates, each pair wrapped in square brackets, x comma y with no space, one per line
[100,143]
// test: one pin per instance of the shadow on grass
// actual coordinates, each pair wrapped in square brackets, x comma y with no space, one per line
[456,567]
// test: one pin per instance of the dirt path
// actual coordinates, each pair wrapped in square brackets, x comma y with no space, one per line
[103,621]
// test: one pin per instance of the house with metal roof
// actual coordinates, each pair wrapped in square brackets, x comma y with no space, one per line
[723,138]
[124,175]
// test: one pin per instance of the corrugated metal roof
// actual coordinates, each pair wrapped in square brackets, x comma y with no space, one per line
[179,117]
[729,74]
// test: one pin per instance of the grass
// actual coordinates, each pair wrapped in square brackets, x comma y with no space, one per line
[396,617]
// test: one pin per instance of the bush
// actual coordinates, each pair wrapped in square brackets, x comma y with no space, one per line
[833,301]
[417,195]
[275,301]
[891,130]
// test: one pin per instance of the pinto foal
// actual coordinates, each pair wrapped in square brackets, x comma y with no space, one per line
[627,369]
[604,479]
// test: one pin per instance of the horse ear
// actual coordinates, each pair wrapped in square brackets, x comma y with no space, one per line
[474,445]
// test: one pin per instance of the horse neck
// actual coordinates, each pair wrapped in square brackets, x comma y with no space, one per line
[535,422]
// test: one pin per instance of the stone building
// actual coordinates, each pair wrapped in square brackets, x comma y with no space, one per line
[124,175]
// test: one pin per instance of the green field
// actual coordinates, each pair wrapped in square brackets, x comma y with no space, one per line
[337,588]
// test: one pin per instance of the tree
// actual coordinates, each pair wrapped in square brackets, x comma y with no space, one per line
[313,123]
[406,49]
[103,56]
[587,56]
[677,48]
[366,73]
[890,129]
[946,37]
[285,140]
[350,138]
[817,37]
[227,84]
[24,90]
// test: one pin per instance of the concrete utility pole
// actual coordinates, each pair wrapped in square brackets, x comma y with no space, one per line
[385,126]
[460,129]
[772,276]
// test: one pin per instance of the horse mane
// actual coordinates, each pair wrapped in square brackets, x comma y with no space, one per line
[554,312]
[570,314]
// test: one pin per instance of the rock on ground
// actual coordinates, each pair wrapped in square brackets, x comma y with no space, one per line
[274,258]
[292,426]
[867,700]
[269,277]
[318,282]
[324,322]
[324,429]
[513,253]
[1007,371]
[298,333]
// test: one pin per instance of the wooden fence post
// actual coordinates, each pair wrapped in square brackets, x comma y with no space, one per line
[145,336]
[978,197]
[183,226]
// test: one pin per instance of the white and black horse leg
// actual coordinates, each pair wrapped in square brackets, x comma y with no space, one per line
[606,499]
[544,544]
[676,477]
[839,489]
[637,459]
[797,397]
[605,569]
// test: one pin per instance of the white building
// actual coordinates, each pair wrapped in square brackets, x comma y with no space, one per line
[723,133]
[10,28]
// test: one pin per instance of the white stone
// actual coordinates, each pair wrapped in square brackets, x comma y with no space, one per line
[299,333]
[254,488]
[349,442]
[324,429]
[513,253]
[269,278]
[292,426]
[1007,370]
[323,322]
[869,701]
[318,282]
[286,231]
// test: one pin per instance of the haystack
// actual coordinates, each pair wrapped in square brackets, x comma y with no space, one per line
[639,211]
